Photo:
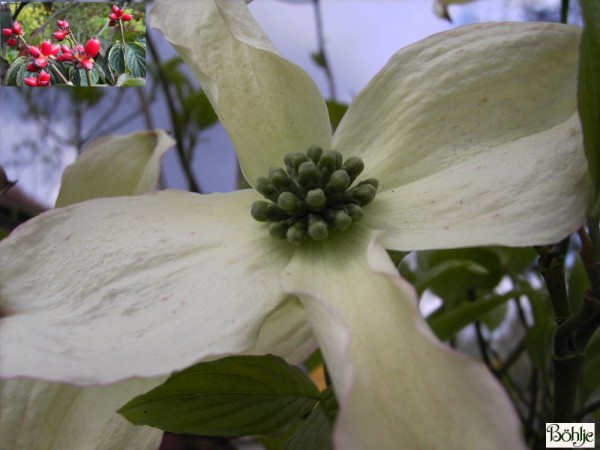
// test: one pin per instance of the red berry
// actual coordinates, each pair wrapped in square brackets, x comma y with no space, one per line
[32,67]
[92,47]
[31,81]
[112,23]
[44,78]
[115,8]
[34,51]
[7,32]
[126,17]
[59,35]
[16,28]
[87,64]
[112,16]
[11,41]
[41,62]
[48,48]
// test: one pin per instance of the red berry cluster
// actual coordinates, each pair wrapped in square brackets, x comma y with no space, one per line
[13,33]
[63,30]
[82,56]
[40,56]
[118,14]
[43,79]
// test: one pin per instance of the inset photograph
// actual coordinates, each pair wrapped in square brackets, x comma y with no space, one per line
[79,44]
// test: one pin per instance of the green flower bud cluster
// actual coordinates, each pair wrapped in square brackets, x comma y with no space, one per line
[313,195]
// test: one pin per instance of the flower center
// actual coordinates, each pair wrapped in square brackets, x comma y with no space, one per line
[313,195]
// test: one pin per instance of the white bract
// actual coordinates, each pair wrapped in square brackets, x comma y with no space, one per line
[474,137]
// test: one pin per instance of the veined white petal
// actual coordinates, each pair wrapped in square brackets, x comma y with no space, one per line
[268,105]
[533,191]
[52,416]
[398,386]
[455,95]
[112,166]
[135,286]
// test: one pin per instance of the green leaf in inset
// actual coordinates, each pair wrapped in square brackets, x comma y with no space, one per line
[589,86]
[116,59]
[127,80]
[135,57]
[13,71]
[234,396]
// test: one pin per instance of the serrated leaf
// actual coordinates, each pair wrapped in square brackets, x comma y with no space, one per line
[135,57]
[234,396]
[13,71]
[116,58]
[589,86]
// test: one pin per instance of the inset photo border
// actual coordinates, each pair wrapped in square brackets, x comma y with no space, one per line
[78,44]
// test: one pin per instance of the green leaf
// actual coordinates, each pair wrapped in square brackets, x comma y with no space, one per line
[314,433]
[116,59]
[336,112]
[12,78]
[447,325]
[234,396]
[589,85]
[198,110]
[127,80]
[135,57]
[330,404]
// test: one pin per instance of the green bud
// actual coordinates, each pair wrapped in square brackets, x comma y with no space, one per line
[338,160]
[308,175]
[278,229]
[267,212]
[372,181]
[360,195]
[354,211]
[339,181]
[266,188]
[354,166]
[314,153]
[295,159]
[328,161]
[317,228]
[288,202]
[315,199]
[296,233]
[340,220]
[279,178]
[313,195]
